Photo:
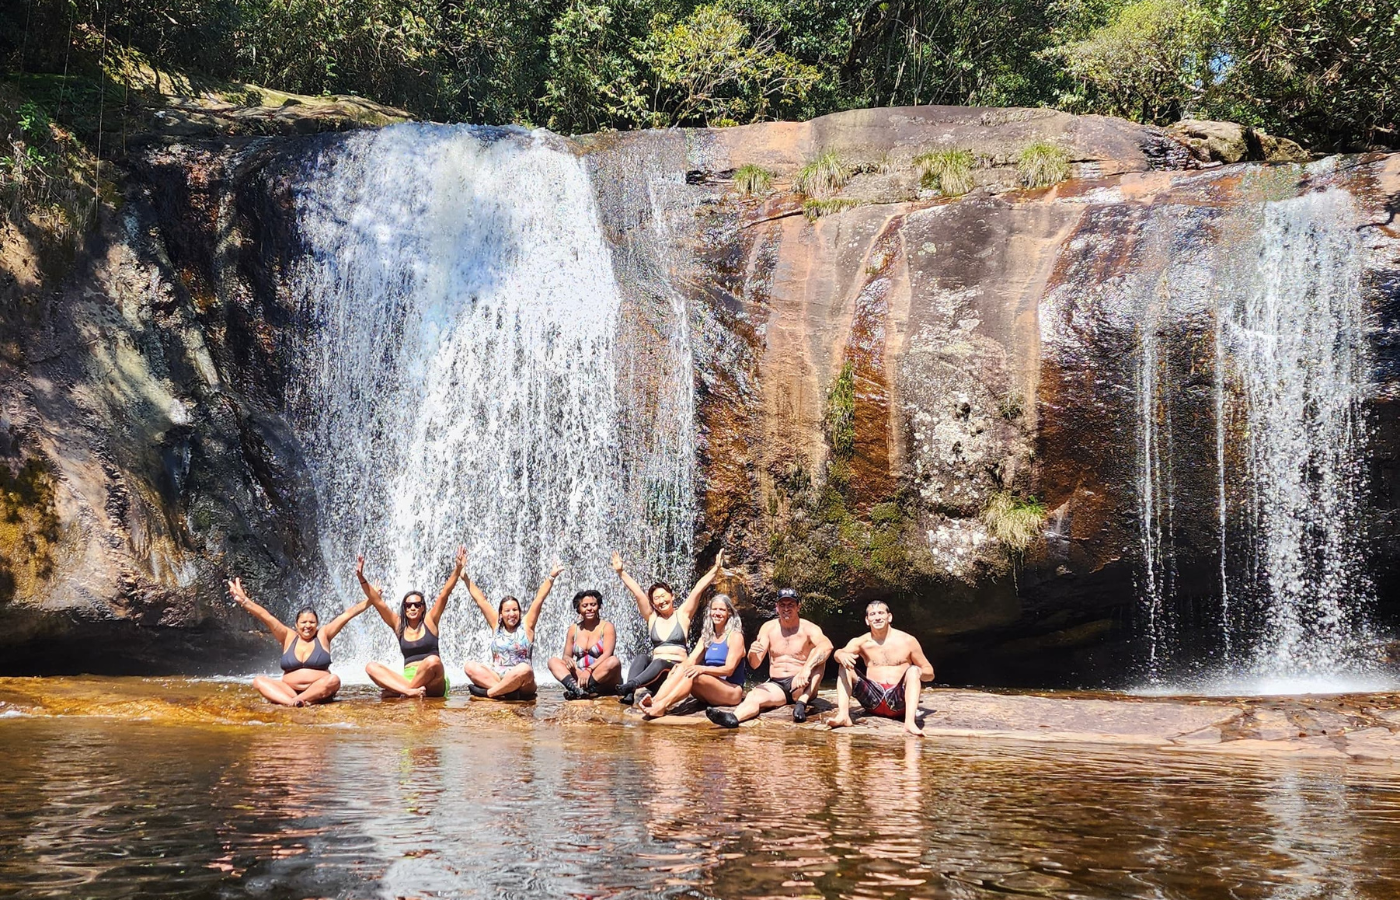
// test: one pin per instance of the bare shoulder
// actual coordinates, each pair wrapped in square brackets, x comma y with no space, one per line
[905,639]
[767,628]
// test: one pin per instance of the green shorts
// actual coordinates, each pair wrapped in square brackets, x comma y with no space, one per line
[412,669]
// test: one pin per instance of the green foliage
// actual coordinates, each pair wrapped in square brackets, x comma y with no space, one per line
[1319,71]
[814,209]
[1042,164]
[822,175]
[1014,521]
[1149,63]
[751,179]
[947,171]
[841,413]
[708,69]
[46,176]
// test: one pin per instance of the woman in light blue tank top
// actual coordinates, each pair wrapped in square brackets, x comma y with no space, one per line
[714,671]
[511,674]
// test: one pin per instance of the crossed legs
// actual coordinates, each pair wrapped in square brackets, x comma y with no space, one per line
[520,677]
[284,693]
[428,681]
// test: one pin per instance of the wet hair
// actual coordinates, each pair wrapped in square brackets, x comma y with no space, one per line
[707,635]
[660,585]
[403,609]
[304,610]
[588,592]
[874,603]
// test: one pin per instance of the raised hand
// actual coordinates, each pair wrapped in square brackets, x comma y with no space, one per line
[461,560]
[617,562]
[360,567]
[235,590]
[719,560]
[554,572]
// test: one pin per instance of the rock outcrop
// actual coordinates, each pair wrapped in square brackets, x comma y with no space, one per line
[902,392]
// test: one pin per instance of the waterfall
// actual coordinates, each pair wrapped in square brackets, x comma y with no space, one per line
[1295,339]
[460,383]
[1292,368]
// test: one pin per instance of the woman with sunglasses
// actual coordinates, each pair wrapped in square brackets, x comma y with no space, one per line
[417,629]
[511,675]
[588,666]
[306,651]
[668,627]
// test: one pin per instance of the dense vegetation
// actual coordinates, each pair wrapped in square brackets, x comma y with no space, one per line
[1325,72]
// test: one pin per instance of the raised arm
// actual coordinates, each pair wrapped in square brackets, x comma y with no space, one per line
[269,621]
[759,649]
[532,616]
[375,598]
[440,603]
[638,595]
[687,609]
[340,621]
[482,603]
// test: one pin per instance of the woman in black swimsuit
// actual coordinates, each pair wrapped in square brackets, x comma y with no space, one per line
[668,627]
[306,652]
[417,629]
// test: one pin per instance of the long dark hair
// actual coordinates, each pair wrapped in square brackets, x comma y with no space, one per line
[403,610]
[303,611]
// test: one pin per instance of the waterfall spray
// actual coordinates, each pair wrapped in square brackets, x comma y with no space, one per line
[459,384]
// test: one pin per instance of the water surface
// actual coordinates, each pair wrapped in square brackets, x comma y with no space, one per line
[499,806]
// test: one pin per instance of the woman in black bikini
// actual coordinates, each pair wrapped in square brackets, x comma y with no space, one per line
[667,626]
[306,652]
[588,667]
[417,629]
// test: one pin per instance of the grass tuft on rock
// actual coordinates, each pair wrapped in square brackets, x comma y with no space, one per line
[822,175]
[1014,521]
[947,171]
[751,179]
[1042,164]
[841,413]
[815,209]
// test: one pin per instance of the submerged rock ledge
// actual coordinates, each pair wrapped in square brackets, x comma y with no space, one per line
[1354,727]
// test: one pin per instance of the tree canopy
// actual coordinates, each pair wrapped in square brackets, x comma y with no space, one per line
[1324,72]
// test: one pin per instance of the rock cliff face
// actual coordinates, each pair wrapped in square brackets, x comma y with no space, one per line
[890,383]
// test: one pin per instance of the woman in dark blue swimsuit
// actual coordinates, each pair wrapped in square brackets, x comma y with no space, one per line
[714,671]
[417,629]
[306,652]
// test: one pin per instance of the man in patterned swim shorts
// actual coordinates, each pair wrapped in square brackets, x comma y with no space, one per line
[895,668]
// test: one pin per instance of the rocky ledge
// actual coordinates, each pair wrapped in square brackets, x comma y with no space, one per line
[1363,728]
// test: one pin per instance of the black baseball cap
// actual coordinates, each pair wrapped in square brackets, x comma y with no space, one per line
[788,594]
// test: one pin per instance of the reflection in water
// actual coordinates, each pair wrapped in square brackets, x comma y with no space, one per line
[112,809]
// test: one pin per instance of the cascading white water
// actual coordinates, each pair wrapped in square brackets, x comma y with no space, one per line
[459,383]
[1295,340]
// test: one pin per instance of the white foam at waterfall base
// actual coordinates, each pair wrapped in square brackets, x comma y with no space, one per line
[459,381]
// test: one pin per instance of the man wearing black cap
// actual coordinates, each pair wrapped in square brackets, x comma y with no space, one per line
[798,652]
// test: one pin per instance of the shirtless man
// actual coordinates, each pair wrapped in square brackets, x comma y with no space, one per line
[798,651]
[895,666]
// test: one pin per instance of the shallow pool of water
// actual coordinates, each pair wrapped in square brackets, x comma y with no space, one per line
[496,807]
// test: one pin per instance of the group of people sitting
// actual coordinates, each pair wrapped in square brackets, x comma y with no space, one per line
[713,671]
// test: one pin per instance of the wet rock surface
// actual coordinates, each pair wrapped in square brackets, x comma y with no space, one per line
[1360,728]
[984,344]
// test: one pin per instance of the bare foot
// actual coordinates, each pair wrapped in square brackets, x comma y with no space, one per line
[914,729]
[298,702]
[645,702]
[419,692]
[839,722]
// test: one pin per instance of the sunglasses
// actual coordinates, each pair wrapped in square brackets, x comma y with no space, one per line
[414,603]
